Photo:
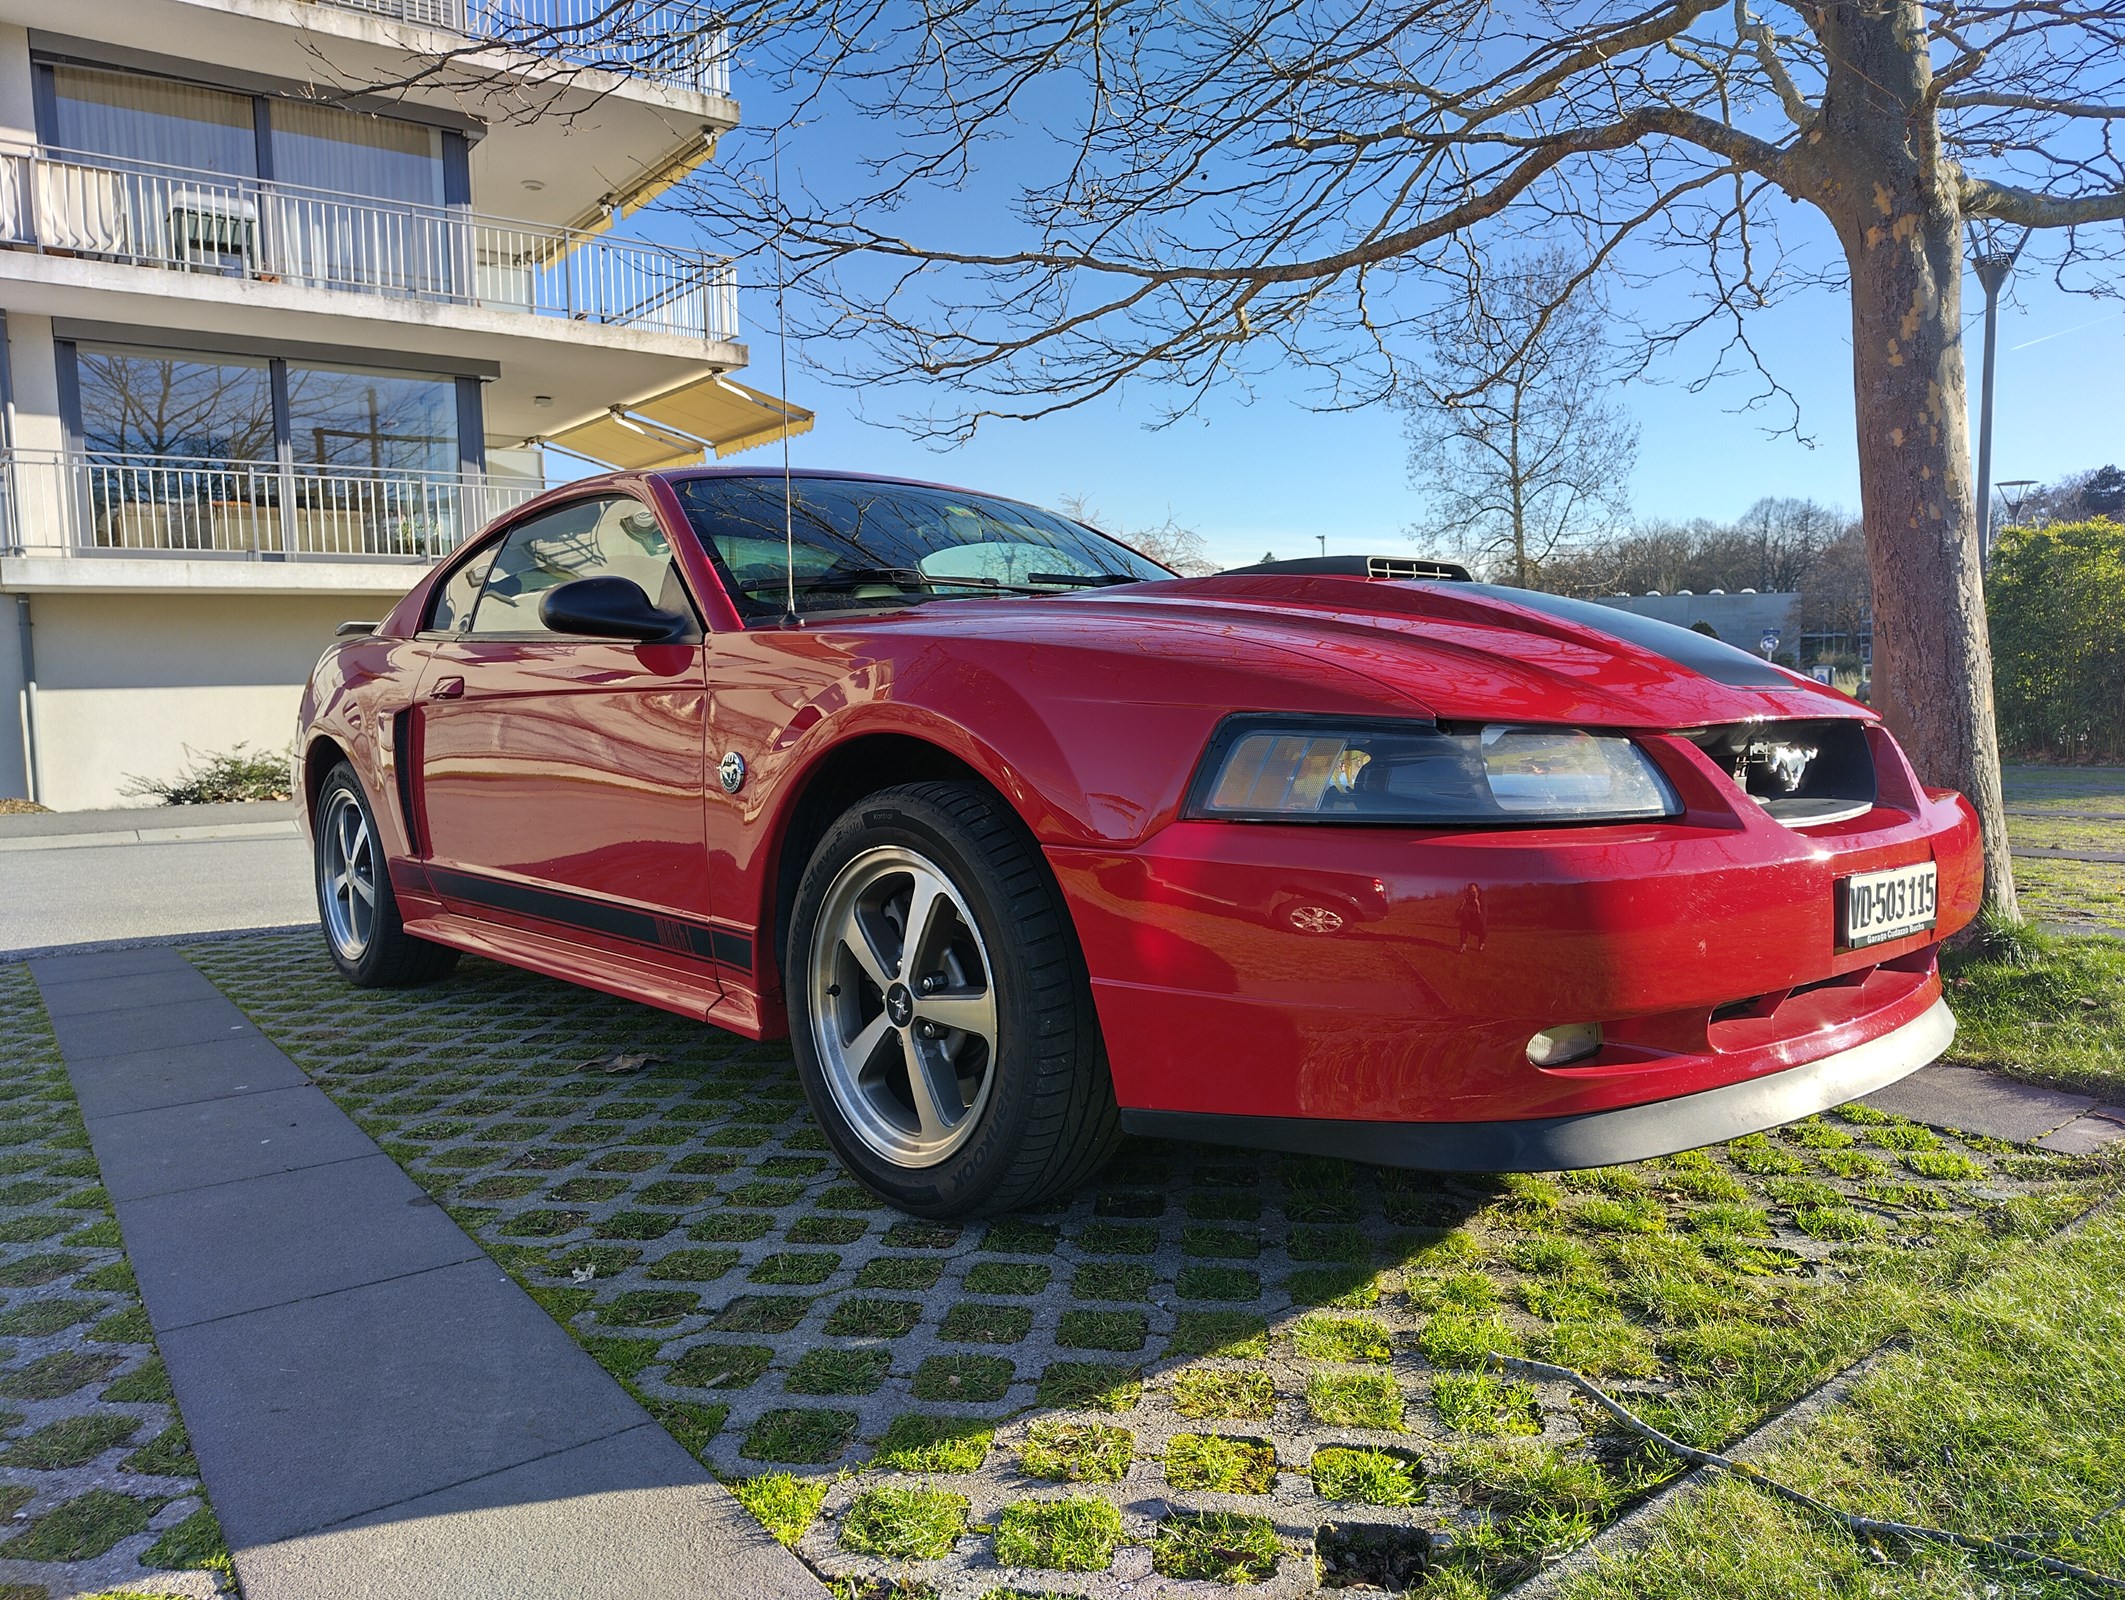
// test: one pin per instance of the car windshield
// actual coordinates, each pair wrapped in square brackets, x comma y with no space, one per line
[862,545]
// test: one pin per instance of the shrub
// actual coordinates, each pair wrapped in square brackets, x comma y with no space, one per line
[2058,639]
[231,774]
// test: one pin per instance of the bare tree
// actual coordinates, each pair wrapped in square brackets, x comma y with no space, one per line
[1167,543]
[1202,191]
[1520,450]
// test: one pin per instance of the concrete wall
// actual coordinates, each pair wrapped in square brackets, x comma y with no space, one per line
[126,682]
[1740,620]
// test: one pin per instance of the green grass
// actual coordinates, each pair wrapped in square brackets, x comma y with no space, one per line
[1355,1399]
[962,1378]
[1101,1330]
[1076,1452]
[1223,1547]
[803,1437]
[980,1322]
[1235,1335]
[1110,1280]
[862,1318]
[919,1442]
[903,1524]
[720,1366]
[828,1371]
[2047,1010]
[1008,1277]
[1090,1386]
[1351,1339]
[84,1527]
[1207,1393]
[1078,1534]
[1476,1402]
[783,1504]
[2002,1417]
[899,1272]
[1371,1477]
[1223,1465]
[71,1441]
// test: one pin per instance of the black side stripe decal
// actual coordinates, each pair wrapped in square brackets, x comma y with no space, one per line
[681,934]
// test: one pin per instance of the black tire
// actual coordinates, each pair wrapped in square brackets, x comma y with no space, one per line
[1046,1120]
[387,956]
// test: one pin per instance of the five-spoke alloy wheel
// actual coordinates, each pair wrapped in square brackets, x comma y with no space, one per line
[939,1007]
[363,933]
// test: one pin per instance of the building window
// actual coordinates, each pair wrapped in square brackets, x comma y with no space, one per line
[138,118]
[138,403]
[377,420]
[143,403]
[155,121]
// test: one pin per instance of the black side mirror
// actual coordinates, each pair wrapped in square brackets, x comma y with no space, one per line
[610,608]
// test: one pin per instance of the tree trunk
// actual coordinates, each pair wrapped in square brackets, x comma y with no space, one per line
[1894,204]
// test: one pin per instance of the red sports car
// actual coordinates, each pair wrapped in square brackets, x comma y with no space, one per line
[1027,841]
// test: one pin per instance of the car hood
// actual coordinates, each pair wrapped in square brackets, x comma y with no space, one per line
[1455,651]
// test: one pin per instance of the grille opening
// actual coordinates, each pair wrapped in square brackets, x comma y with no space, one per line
[1804,774]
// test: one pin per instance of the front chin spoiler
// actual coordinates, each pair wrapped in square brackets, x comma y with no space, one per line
[1590,1139]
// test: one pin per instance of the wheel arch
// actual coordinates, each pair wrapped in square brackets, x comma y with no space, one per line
[320,756]
[840,777]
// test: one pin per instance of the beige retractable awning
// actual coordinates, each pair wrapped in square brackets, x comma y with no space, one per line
[685,426]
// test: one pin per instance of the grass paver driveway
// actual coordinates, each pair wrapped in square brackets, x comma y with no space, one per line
[98,1488]
[1209,1363]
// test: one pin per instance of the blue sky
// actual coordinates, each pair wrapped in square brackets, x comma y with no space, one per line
[1263,473]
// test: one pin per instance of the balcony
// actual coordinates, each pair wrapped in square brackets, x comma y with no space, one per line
[665,41]
[107,504]
[71,203]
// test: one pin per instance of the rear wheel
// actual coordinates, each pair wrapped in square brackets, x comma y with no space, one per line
[367,941]
[939,1007]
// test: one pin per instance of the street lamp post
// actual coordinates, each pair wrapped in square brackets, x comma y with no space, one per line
[1992,266]
[2013,492]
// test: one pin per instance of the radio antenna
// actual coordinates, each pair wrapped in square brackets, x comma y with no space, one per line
[789,514]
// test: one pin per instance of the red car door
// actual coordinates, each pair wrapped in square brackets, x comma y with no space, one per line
[561,776]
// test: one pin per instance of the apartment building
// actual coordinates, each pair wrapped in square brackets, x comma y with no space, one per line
[299,293]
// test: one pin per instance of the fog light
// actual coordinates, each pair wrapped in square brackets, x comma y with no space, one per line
[1561,1046]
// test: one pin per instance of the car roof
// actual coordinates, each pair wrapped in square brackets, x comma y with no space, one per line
[682,474]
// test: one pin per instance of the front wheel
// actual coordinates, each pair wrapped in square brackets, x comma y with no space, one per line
[363,933]
[939,1007]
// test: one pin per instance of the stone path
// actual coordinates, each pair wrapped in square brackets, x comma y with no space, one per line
[376,1408]
[1971,1100]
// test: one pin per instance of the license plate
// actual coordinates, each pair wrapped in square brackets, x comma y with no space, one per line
[1873,907]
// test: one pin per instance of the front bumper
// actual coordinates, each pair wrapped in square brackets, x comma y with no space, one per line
[1591,1139]
[1394,976]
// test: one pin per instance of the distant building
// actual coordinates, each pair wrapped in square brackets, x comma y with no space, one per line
[1740,619]
[269,351]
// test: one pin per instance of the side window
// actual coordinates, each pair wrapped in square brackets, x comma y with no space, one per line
[456,596]
[613,536]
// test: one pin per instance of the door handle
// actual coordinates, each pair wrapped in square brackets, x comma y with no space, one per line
[448,689]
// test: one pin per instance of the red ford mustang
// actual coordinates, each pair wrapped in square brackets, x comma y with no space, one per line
[1026,841]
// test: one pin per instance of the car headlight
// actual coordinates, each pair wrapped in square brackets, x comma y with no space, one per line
[1304,769]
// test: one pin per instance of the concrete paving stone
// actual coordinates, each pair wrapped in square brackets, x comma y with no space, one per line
[174,1148]
[1972,1100]
[95,1034]
[103,963]
[631,1517]
[80,997]
[182,1074]
[311,1413]
[235,1247]
[2085,1135]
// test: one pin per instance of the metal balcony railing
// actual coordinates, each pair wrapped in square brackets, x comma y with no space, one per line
[75,203]
[665,41]
[108,502]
